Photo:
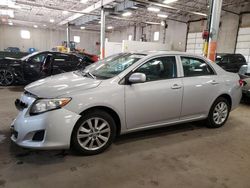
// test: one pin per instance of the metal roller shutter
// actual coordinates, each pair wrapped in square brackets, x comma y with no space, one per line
[243,43]
[195,43]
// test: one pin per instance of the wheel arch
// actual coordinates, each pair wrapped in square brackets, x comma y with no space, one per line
[109,110]
[227,97]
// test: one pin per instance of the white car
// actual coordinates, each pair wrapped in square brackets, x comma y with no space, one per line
[87,109]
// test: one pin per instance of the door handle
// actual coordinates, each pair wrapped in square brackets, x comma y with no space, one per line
[176,86]
[214,82]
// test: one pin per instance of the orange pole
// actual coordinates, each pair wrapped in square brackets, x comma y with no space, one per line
[212,50]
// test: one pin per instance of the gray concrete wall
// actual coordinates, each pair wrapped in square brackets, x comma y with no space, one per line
[228,33]
[45,39]
[228,30]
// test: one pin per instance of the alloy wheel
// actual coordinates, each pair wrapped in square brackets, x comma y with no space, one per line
[220,113]
[93,133]
[6,77]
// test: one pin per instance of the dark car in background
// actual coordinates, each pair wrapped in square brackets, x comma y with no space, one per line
[230,62]
[39,65]
[244,74]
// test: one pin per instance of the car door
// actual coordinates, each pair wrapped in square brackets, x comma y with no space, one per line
[201,87]
[61,63]
[32,67]
[158,100]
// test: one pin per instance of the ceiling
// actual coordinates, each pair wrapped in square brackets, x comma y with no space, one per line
[57,13]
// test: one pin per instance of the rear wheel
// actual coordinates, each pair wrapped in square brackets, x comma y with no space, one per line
[6,77]
[93,133]
[219,113]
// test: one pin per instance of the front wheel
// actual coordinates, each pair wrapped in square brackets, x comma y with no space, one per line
[93,133]
[219,113]
[7,77]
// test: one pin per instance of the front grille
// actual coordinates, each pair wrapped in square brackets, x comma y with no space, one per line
[39,135]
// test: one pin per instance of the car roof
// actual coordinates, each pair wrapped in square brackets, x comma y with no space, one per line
[161,52]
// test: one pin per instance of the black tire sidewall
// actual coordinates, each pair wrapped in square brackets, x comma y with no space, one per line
[96,113]
[210,119]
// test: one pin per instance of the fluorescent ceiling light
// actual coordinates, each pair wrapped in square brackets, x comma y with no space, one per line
[126,14]
[99,22]
[51,20]
[110,27]
[134,7]
[44,25]
[65,12]
[169,1]
[10,23]
[153,9]
[153,23]
[89,9]
[35,26]
[162,15]
[82,27]
[200,13]
[84,1]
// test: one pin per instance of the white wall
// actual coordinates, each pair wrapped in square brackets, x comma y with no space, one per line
[175,35]
[45,39]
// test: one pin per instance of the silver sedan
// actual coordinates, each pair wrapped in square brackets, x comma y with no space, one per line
[128,92]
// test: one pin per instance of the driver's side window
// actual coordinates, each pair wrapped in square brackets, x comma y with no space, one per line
[159,68]
[39,58]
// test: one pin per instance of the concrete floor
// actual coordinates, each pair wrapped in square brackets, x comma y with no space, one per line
[186,155]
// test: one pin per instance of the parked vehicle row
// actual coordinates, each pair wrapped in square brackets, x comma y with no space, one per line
[40,65]
[87,109]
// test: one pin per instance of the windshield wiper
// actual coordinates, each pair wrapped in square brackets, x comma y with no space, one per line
[88,74]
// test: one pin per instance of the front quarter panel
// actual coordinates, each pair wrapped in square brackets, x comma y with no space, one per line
[108,94]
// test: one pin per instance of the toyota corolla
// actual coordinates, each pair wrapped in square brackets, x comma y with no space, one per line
[129,92]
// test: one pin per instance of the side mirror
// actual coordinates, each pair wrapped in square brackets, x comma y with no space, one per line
[137,78]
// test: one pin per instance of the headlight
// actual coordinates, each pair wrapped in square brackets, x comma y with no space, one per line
[44,105]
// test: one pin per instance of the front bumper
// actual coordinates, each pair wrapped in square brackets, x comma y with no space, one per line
[57,126]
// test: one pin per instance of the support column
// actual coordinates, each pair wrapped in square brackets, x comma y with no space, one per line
[214,28]
[102,46]
[68,37]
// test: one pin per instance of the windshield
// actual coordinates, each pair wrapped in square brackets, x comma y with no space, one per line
[114,65]
[28,56]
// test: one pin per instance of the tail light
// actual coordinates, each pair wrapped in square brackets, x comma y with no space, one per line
[242,83]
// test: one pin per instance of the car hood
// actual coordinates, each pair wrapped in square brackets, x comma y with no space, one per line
[61,84]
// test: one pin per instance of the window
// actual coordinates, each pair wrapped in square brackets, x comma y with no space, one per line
[39,58]
[130,37]
[77,39]
[195,67]
[156,35]
[61,58]
[113,66]
[25,34]
[159,68]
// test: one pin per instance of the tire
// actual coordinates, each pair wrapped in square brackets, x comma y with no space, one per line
[90,141]
[218,113]
[7,77]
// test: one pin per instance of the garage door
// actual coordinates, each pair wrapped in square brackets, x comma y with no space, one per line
[243,43]
[195,43]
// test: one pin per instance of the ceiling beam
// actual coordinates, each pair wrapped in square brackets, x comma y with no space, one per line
[87,10]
